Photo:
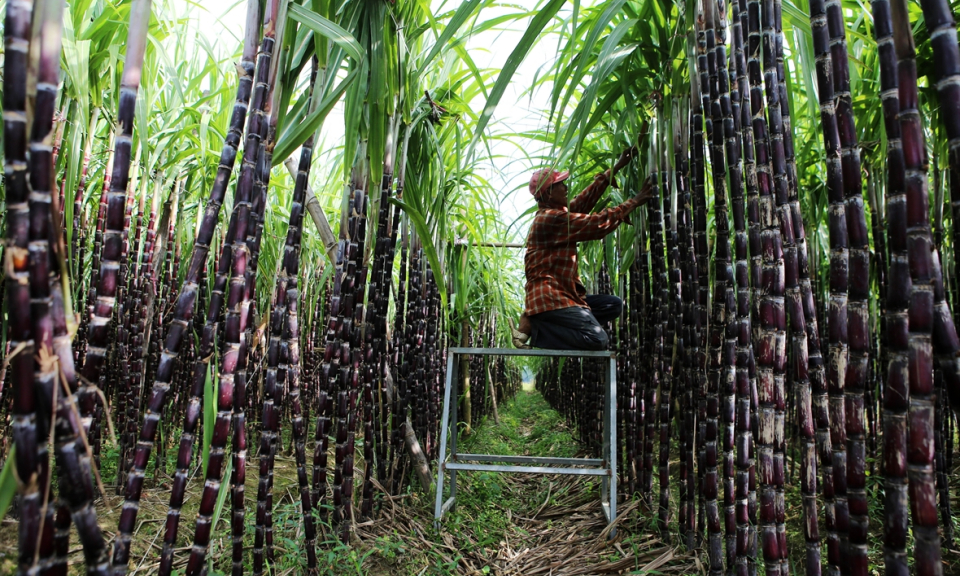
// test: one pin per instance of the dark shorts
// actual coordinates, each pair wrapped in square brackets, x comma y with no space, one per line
[576,328]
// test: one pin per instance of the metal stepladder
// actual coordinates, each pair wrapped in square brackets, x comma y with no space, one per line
[604,467]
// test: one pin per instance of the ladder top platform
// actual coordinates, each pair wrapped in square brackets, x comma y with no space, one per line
[532,352]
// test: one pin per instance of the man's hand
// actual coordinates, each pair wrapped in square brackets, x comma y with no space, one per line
[645,193]
[624,158]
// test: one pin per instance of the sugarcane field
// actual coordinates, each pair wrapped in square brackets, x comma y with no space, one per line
[480,287]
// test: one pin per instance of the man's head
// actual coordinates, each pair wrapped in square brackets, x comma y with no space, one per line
[548,187]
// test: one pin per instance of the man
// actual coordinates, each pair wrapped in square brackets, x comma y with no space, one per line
[559,314]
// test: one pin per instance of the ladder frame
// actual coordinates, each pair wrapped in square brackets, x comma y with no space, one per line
[604,467]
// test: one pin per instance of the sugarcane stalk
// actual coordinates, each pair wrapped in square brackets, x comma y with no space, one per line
[922,261]
[292,336]
[896,396]
[797,305]
[329,374]
[942,27]
[113,239]
[670,295]
[658,270]
[23,427]
[55,357]
[702,249]
[854,551]
[233,353]
[254,235]
[184,308]
[835,492]
[770,349]
[721,375]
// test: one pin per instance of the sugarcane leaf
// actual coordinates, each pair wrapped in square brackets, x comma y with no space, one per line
[429,248]
[530,37]
[221,498]
[327,29]
[601,24]
[463,12]
[209,411]
[298,131]
[8,482]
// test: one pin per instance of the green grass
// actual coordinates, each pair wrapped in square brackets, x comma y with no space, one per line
[487,502]
[528,427]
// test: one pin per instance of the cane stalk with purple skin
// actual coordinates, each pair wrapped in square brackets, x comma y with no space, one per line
[107,284]
[290,268]
[721,375]
[241,220]
[690,338]
[922,260]
[669,295]
[835,491]
[771,314]
[48,316]
[896,397]
[795,262]
[943,32]
[939,20]
[17,25]
[853,541]
[659,274]
[184,310]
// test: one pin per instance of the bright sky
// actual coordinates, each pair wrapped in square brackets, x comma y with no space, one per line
[516,112]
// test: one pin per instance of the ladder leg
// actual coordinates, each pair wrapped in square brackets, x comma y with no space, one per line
[611,426]
[444,421]
[454,424]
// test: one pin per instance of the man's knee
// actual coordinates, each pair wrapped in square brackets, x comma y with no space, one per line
[605,307]
[596,338]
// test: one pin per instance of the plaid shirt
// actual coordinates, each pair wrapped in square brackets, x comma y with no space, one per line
[550,263]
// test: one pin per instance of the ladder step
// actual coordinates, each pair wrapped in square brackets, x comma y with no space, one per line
[526,459]
[532,352]
[527,469]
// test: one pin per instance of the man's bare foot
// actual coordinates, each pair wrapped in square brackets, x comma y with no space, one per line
[525,326]
[520,338]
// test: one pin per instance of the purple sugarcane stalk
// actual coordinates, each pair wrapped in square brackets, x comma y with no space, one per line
[771,314]
[182,316]
[17,24]
[721,375]
[49,325]
[658,270]
[697,355]
[920,311]
[113,247]
[896,396]
[835,485]
[943,33]
[706,333]
[858,294]
[745,559]
[234,323]
[686,341]
[795,262]
[285,311]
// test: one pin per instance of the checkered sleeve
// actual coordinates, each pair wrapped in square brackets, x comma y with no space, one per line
[586,200]
[570,227]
